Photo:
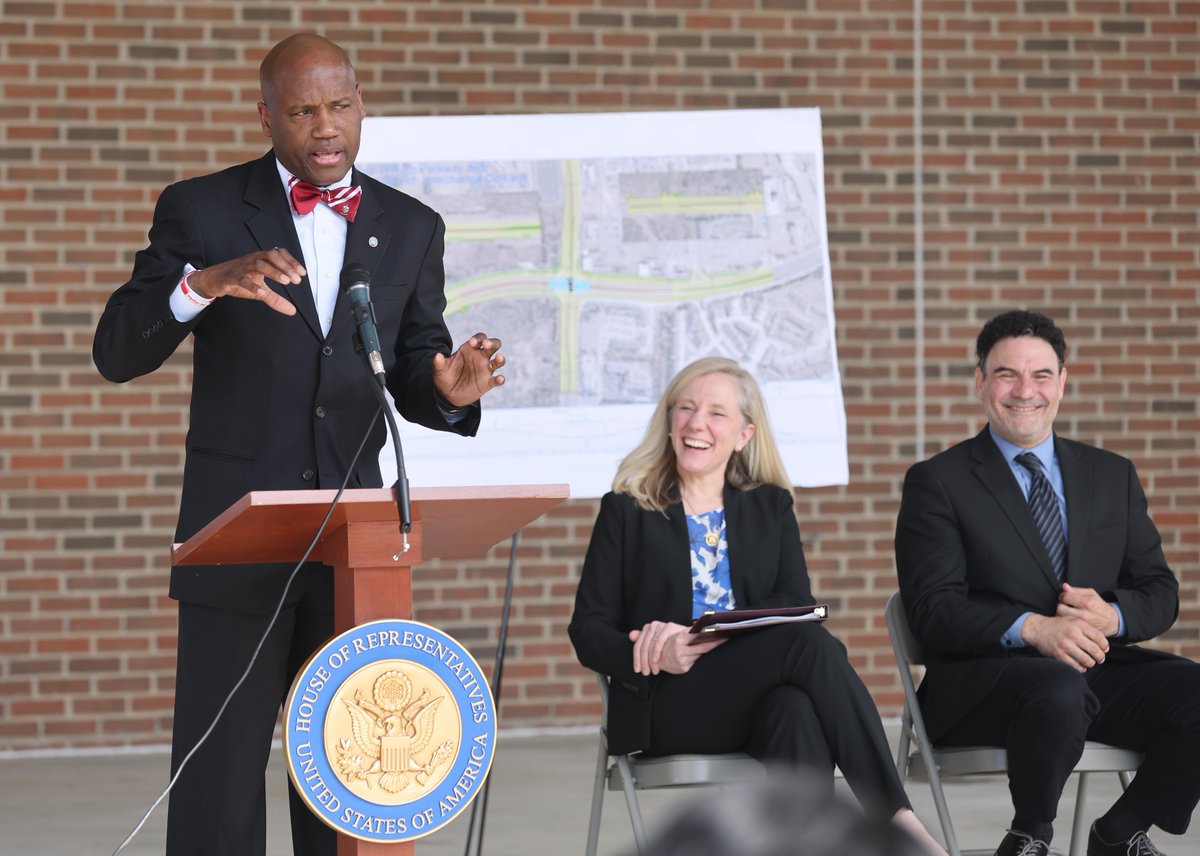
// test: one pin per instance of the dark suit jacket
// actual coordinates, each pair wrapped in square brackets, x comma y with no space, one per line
[638,570]
[275,405]
[970,562]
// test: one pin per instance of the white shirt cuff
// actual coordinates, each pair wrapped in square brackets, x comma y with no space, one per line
[185,303]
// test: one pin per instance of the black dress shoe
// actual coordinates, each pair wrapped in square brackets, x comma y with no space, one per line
[1139,845]
[1020,844]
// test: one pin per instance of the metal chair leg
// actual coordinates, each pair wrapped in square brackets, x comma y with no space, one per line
[593,836]
[939,802]
[1078,832]
[631,800]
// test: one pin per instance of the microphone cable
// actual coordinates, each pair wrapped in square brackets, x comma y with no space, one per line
[258,648]
[497,675]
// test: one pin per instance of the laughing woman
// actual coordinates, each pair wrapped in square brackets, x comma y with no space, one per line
[700,518]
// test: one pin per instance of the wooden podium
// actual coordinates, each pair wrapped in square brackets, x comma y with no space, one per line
[362,542]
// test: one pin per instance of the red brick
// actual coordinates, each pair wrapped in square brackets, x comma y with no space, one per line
[1081,199]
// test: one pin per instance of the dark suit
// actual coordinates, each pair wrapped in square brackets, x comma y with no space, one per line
[275,406]
[784,693]
[971,561]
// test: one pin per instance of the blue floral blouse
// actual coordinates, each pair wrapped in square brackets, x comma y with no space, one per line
[712,588]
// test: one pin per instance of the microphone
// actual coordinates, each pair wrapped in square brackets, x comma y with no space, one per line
[356,283]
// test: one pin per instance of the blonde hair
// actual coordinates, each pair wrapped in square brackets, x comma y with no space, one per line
[648,472]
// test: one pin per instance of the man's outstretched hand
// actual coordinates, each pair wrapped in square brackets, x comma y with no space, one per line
[246,276]
[464,376]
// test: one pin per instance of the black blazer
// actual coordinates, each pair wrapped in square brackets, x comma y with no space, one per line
[971,561]
[275,405]
[638,570]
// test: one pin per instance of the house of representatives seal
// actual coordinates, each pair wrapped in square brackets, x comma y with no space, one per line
[390,730]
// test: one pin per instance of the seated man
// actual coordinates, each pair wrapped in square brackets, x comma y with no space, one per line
[1029,566]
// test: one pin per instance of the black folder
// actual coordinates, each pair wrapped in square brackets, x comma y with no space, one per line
[733,621]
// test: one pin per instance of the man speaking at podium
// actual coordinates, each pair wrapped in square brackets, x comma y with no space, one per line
[248,261]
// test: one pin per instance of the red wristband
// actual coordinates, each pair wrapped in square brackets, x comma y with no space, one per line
[191,293]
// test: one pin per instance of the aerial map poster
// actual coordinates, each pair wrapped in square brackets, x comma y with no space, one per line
[607,251]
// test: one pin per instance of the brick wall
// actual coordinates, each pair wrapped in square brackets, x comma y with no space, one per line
[1061,172]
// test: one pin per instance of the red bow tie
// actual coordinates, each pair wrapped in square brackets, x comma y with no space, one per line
[343,200]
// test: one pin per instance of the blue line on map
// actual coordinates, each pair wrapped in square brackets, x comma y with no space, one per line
[569,283]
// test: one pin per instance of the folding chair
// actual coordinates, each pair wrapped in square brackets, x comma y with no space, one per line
[934,764]
[632,773]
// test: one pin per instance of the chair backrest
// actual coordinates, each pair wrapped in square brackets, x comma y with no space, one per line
[905,646]
[602,680]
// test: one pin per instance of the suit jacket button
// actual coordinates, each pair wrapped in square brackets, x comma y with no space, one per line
[320,411]
[308,475]
[327,351]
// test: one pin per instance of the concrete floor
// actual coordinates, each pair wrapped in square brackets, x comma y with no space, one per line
[540,797]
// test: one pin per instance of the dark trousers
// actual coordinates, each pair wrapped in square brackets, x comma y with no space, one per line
[218,806]
[786,693]
[1042,711]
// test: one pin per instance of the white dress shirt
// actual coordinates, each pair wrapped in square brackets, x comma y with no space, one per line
[322,235]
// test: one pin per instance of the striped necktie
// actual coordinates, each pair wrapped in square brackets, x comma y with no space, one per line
[1044,504]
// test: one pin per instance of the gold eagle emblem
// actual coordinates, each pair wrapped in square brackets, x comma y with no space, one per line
[389,733]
